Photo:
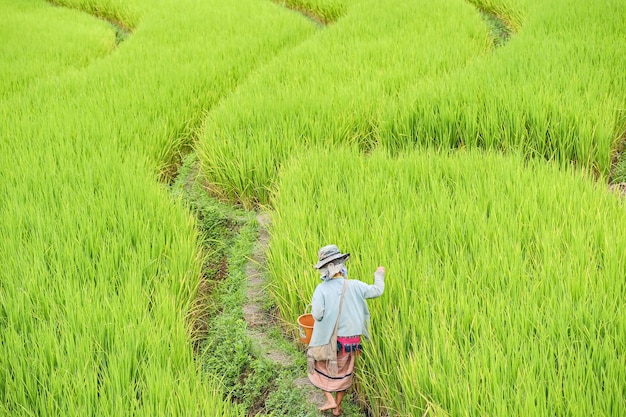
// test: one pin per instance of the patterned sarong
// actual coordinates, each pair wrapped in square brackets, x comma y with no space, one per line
[321,377]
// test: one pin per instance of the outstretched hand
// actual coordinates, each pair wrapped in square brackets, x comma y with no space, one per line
[381,269]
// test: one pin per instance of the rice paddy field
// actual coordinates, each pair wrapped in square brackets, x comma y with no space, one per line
[467,145]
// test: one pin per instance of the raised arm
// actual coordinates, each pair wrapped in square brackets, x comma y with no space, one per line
[377,289]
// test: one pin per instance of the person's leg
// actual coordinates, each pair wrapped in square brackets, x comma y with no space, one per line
[340,395]
[330,402]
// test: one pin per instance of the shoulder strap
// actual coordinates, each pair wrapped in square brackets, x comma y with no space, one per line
[345,285]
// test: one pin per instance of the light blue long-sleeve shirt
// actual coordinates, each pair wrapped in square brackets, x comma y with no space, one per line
[355,314]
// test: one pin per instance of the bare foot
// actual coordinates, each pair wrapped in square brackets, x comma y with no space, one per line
[337,411]
[328,406]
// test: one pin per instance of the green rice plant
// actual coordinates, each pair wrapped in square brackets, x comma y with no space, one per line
[28,52]
[336,88]
[544,93]
[504,292]
[325,11]
[511,13]
[176,80]
[127,14]
[95,287]
[100,263]
[378,78]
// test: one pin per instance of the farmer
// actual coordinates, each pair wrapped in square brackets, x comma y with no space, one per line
[353,322]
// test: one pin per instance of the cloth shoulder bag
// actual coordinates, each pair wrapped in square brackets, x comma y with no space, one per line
[327,352]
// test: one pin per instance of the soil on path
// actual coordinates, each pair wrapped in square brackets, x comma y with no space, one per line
[260,321]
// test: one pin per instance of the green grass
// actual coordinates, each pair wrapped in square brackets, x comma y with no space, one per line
[620,171]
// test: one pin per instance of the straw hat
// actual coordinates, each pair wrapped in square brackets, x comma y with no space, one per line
[328,254]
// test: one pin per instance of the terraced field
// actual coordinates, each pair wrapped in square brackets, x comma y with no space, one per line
[474,148]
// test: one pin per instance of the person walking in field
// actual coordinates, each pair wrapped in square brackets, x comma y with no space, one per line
[351,308]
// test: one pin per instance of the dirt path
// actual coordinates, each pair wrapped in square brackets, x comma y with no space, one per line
[256,317]
[261,322]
